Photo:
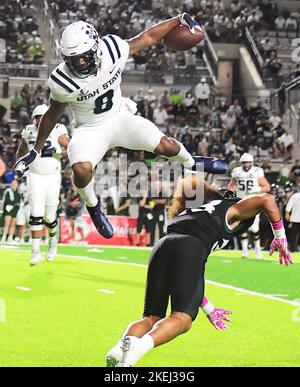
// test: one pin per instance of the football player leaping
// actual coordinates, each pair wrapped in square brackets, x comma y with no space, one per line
[43,180]
[245,181]
[89,81]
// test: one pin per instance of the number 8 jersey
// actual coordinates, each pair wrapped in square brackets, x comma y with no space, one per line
[95,98]
[247,181]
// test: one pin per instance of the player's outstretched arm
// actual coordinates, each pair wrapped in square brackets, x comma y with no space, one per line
[250,207]
[22,148]
[47,123]
[153,35]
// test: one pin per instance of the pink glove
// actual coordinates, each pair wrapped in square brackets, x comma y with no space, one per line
[281,245]
[215,315]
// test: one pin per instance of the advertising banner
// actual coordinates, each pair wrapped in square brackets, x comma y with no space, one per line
[125,231]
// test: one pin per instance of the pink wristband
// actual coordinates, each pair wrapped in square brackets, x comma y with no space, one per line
[204,301]
[278,225]
[278,229]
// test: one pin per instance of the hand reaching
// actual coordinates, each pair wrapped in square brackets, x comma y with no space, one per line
[217,316]
[281,245]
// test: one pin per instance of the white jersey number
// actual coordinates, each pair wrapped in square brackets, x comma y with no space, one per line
[209,207]
[104,102]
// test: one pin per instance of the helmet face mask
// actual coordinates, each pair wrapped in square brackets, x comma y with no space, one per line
[84,64]
[247,165]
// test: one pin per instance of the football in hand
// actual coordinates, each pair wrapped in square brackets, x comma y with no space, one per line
[180,38]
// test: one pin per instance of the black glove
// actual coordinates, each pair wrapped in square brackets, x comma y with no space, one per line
[186,20]
[23,162]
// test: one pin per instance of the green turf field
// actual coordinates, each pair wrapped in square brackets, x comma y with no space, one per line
[72,311]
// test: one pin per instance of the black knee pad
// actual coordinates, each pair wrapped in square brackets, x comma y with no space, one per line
[36,220]
[51,225]
[256,236]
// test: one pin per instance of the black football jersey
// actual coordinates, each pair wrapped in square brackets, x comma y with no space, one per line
[208,223]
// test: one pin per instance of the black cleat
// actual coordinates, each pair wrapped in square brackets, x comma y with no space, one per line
[211,165]
[100,221]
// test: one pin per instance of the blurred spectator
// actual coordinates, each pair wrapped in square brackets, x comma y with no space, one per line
[202,91]
[230,149]
[280,23]
[275,120]
[295,172]
[291,24]
[11,205]
[15,103]
[124,201]
[229,122]
[165,99]
[144,218]
[274,64]
[192,113]
[236,108]
[176,97]
[287,141]
[74,205]
[188,99]
[160,116]
[179,112]
[158,205]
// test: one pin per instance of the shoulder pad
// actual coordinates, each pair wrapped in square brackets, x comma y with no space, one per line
[62,81]
[116,47]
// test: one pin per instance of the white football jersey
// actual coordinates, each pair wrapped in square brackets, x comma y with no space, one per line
[97,97]
[247,182]
[46,163]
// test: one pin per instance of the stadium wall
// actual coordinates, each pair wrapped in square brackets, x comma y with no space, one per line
[250,79]
[225,78]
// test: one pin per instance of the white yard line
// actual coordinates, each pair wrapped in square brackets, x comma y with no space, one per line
[219,284]
[252,293]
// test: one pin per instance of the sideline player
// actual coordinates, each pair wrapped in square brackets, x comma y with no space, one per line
[11,205]
[89,82]
[177,264]
[245,181]
[23,214]
[43,180]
